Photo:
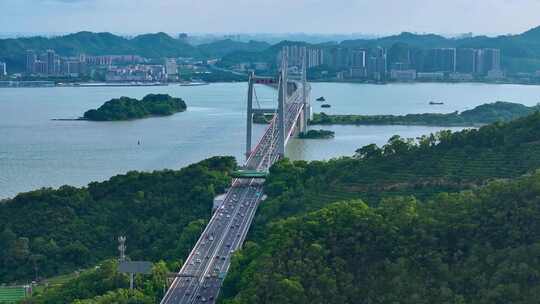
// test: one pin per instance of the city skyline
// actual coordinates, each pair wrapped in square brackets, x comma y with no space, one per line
[265,16]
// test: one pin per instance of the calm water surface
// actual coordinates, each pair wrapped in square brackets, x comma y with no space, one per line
[38,152]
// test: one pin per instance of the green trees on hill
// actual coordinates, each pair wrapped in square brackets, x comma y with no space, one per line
[125,108]
[477,246]
[418,222]
[58,231]
[431,164]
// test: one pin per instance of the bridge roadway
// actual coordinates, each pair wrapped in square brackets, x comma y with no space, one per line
[202,274]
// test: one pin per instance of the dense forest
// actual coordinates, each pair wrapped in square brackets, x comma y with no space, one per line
[416,224]
[482,114]
[478,246]
[125,108]
[58,231]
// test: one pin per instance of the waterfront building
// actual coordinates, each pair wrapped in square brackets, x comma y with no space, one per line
[430,76]
[315,57]
[171,68]
[31,59]
[403,75]
[492,60]
[51,60]
[40,67]
[461,76]
[440,60]
[3,69]
[466,61]
[488,60]
[357,59]
[495,74]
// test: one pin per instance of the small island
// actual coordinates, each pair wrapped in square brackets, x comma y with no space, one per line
[317,134]
[125,108]
[480,115]
[262,118]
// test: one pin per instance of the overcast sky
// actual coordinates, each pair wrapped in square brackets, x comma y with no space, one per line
[270,16]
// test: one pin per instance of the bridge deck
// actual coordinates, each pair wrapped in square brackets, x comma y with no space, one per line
[202,274]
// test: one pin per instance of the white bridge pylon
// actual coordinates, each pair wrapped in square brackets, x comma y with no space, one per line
[291,116]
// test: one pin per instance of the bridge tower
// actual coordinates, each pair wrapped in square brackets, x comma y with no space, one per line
[249,122]
[282,101]
[306,114]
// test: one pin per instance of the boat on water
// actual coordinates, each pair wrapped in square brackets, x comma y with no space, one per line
[321,98]
[325,105]
[436,103]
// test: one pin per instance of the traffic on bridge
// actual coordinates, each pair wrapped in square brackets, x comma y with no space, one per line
[201,276]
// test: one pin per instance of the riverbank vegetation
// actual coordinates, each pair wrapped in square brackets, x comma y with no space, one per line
[56,231]
[451,217]
[125,108]
[480,115]
[317,134]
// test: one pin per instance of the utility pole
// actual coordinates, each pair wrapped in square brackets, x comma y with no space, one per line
[122,248]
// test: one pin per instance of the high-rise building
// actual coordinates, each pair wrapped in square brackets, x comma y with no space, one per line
[51,60]
[31,59]
[3,69]
[466,61]
[40,67]
[377,66]
[171,68]
[357,58]
[492,60]
[439,60]
[315,57]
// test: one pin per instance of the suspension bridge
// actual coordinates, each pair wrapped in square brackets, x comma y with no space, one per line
[200,278]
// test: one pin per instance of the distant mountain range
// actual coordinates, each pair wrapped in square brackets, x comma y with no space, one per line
[520,52]
[156,45]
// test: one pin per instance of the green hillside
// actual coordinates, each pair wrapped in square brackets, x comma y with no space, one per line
[476,246]
[61,230]
[453,218]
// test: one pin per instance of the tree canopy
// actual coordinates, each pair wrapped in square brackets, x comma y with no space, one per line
[445,218]
[125,108]
[61,230]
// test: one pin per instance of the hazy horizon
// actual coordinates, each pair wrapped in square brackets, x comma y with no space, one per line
[310,17]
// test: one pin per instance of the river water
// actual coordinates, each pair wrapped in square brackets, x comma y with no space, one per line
[36,151]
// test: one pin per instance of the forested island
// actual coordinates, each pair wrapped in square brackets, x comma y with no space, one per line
[125,108]
[480,115]
[317,134]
